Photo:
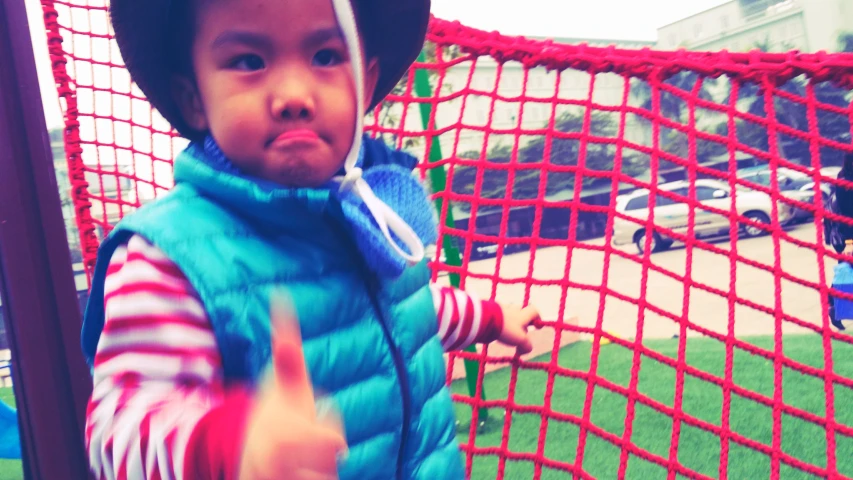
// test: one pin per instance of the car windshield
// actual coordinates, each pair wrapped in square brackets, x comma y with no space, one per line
[783,175]
[792,174]
[715,186]
[781,172]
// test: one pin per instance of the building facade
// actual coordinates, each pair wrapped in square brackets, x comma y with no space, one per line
[775,25]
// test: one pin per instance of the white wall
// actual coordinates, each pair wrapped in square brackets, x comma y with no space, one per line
[825,20]
[501,112]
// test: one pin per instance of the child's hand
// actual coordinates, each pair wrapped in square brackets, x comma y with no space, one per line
[284,437]
[516,322]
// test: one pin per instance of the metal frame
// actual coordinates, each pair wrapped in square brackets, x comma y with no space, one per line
[51,380]
[438,181]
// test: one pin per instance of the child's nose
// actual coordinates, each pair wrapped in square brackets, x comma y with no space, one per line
[293,101]
[297,108]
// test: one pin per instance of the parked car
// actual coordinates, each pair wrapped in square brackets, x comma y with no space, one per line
[674,215]
[793,184]
[830,172]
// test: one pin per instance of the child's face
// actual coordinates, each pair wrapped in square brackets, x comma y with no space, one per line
[275,88]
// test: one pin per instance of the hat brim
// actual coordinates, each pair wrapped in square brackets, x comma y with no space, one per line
[404,26]
[141,31]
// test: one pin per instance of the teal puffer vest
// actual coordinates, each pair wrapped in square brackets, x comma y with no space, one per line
[369,343]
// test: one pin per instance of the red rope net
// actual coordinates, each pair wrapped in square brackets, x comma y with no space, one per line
[666,211]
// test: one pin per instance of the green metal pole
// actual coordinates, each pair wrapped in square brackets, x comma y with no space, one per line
[438,179]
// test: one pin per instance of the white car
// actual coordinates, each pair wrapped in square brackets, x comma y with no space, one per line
[674,215]
[830,172]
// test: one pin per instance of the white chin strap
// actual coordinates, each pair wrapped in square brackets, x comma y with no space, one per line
[387,219]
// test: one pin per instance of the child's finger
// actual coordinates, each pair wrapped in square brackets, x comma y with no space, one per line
[532,316]
[525,347]
[288,359]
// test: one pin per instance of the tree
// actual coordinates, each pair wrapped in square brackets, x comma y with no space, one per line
[563,152]
[794,114]
[673,107]
[845,42]
[390,113]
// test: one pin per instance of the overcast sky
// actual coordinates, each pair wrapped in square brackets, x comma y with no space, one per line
[603,19]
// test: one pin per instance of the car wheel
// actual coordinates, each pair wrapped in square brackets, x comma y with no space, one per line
[640,242]
[751,231]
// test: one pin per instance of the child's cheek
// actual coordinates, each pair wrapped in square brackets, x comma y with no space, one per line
[239,123]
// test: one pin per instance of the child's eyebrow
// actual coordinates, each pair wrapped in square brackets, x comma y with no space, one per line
[241,38]
[321,36]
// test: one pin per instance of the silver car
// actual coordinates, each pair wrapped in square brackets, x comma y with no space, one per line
[673,215]
[792,184]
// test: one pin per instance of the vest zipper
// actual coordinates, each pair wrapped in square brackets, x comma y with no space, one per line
[399,365]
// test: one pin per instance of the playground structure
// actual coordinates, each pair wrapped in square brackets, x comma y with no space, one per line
[789,111]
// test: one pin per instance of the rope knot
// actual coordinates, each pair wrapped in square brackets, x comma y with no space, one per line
[350,179]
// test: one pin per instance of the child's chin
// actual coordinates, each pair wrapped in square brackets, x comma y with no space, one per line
[297,168]
[299,175]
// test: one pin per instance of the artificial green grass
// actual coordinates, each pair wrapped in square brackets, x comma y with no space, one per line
[7,395]
[698,450]
[9,469]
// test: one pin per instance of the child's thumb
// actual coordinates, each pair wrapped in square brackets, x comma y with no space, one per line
[288,359]
[329,418]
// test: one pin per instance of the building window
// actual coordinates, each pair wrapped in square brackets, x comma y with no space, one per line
[753,8]
[697,30]
[724,22]
[673,40]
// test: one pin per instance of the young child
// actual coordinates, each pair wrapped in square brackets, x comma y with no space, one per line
[198,371]
[841,236]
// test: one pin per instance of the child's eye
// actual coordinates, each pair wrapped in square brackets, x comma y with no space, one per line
[327,58]
[248,63]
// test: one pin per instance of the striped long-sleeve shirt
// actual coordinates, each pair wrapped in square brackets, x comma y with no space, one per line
[159,408]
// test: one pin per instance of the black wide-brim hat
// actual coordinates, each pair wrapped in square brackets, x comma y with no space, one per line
[142,31]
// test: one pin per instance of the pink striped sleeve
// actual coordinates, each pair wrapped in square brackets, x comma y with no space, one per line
[157,370]
[463,319]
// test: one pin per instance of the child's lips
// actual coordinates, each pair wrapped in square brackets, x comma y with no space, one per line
[292,138]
